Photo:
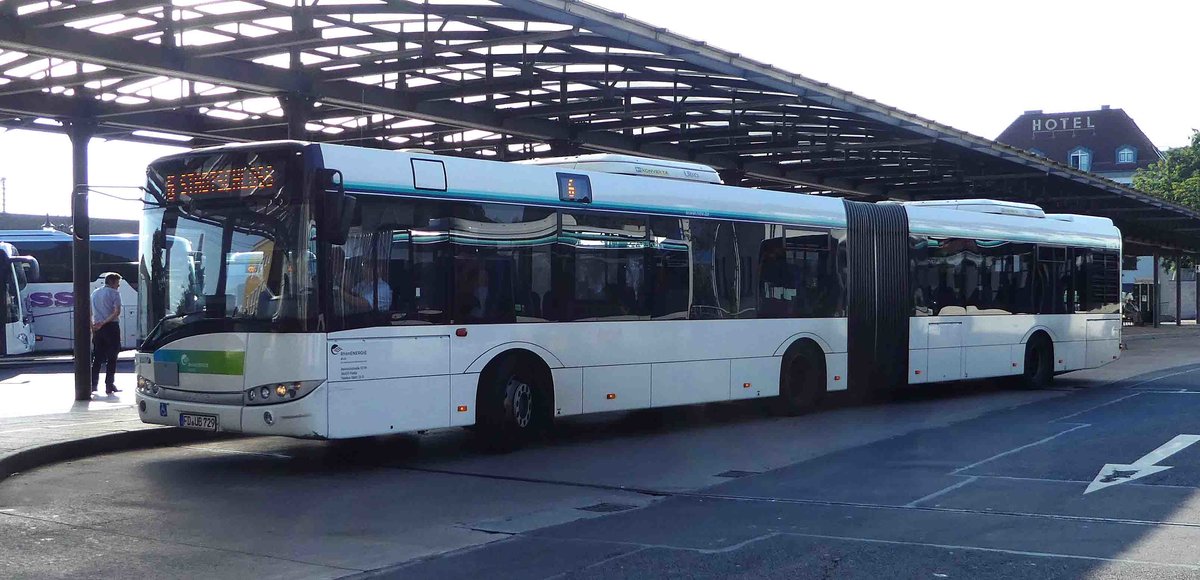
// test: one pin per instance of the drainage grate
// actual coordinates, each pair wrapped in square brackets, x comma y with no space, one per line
[737,473]
[606,508]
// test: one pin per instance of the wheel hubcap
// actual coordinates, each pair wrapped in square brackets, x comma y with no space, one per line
[521,396]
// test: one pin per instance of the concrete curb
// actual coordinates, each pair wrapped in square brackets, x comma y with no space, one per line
[42,455]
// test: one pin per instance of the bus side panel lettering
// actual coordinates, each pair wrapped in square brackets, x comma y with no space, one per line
[64,299]
[41,299]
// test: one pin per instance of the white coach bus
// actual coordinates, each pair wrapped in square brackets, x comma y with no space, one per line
[402,291]
[51,297]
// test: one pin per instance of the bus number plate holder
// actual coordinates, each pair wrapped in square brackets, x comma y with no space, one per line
[166,374]
[200,422]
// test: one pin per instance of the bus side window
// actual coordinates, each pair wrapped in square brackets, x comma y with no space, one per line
[502,263]
[670,277]
[602,266]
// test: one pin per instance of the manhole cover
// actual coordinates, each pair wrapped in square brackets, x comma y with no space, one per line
[737,473]
[605,508]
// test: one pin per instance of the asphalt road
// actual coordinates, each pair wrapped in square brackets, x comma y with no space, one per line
[967,481]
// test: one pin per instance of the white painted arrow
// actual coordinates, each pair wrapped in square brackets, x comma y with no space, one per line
[1117,473]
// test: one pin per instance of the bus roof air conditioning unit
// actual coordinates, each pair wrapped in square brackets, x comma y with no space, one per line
[630,165]
[984,206]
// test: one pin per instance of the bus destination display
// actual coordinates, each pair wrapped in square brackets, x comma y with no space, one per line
[235,181]
[574,187]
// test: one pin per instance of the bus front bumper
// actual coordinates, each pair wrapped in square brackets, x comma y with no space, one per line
[305,417]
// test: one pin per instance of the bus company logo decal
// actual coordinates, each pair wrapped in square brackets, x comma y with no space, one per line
[335,349]
[204,361]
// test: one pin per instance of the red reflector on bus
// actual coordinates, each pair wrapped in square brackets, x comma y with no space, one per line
[745,385]
[837,377]
[917,372]
[462,408]
[460,332]
[610,396]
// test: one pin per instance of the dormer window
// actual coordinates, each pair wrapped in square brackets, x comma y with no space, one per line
[1126,154]
[1080,158]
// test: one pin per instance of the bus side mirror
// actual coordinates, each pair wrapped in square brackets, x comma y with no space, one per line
[335,208]
[33,271]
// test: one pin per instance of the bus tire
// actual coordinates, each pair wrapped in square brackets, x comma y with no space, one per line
[1039,363]
[513,402]
[801,380]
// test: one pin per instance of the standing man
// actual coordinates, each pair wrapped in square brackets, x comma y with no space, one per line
[106,331]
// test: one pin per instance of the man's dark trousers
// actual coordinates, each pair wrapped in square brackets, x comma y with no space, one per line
[106,344]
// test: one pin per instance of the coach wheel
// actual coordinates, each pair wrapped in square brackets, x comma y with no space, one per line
[1039,363]
[801,382]
[512,405]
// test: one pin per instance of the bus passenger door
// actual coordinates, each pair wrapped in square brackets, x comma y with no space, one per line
[945,351]
[18,336]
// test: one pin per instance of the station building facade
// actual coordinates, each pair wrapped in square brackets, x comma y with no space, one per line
[1106,142]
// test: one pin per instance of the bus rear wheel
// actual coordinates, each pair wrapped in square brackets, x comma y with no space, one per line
[1039,363]
[512,405]
[801,382]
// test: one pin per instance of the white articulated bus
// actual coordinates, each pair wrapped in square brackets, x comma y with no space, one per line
[402,291]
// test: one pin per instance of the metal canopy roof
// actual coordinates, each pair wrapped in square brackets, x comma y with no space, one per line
[506,79]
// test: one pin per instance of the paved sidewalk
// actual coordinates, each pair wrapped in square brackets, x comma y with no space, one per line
[40,422]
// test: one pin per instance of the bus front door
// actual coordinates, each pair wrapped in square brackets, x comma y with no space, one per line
[18,335]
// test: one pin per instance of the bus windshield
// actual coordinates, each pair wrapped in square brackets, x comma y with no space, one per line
[224,247]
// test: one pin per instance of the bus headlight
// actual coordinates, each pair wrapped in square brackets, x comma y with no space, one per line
[146,386]
[279,392]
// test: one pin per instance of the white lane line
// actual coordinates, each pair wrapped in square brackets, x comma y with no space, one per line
[1079,481]
[997,550]
[941,492]
[597,563]
[236,451]
[1100,406]
[1148,381]
[1017,449]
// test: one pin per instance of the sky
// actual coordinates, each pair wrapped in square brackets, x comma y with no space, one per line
[974,66]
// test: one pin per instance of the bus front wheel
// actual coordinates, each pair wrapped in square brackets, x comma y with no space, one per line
[801,381]
[512,404]
[1039,363]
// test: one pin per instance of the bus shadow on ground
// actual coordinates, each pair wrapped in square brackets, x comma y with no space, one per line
[463,443]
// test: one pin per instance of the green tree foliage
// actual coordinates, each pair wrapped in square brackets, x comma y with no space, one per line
[1176,177]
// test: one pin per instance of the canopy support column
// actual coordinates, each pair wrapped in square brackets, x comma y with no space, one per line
[1154,293]
[81,131]
[298,110]
[1179,289]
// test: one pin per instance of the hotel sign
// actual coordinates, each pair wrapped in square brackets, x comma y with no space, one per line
[1055,124]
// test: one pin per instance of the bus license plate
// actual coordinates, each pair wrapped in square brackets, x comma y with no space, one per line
[201,422]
